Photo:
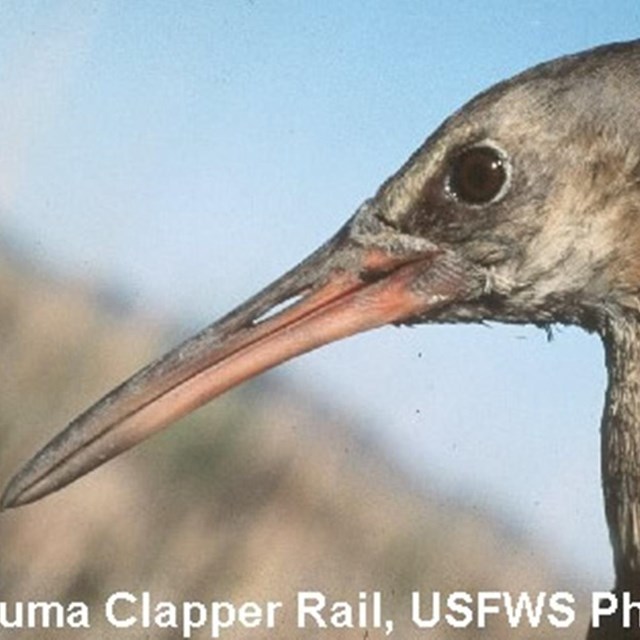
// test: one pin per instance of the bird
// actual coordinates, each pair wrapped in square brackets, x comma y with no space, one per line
[522,207]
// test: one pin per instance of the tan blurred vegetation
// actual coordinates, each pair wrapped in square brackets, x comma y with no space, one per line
[256,497]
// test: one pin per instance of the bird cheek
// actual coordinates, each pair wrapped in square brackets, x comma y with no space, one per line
[429,211]
[434,221]
[443,220]
[488,252]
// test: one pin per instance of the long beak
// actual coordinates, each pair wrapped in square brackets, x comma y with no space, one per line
[343,288]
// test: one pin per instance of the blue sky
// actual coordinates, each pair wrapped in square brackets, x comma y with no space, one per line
[191,152]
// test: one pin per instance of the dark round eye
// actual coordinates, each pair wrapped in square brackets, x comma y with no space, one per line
[478,175]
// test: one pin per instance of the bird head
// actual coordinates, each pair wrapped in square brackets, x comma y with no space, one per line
[521,208]
[534,186]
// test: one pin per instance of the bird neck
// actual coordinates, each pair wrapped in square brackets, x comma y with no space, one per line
[621,449]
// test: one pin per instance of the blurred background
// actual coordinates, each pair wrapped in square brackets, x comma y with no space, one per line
[161,161]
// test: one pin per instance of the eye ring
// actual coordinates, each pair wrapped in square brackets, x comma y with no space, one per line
[479,175]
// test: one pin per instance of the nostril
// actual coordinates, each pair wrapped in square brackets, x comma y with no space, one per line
[278,308]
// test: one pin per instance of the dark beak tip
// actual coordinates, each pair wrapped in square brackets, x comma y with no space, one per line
[6,503]
[10,498]
[15,493]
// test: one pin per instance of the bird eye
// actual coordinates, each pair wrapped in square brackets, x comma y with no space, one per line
[478,175]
